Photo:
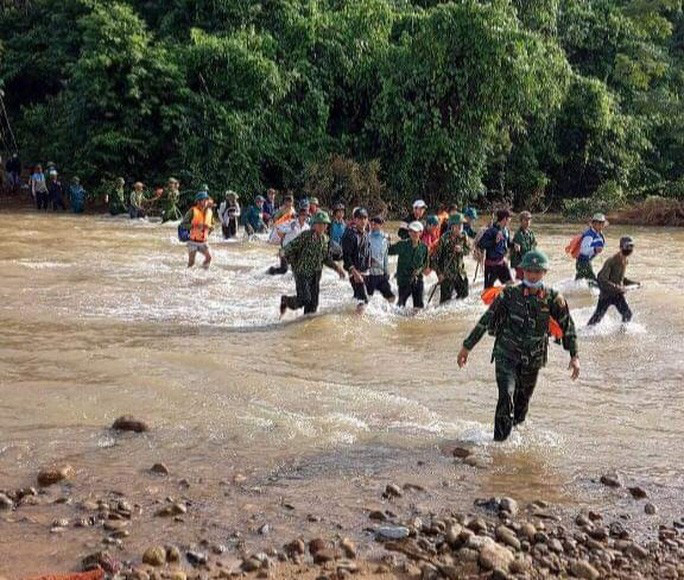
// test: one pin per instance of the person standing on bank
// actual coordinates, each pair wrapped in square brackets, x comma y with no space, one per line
[592,244]
[412,264]
[307,254]
[447,261]
[612,283]
[523,241]
[198,220]
[418,215]
[356,257]
[519,319]
[495,243]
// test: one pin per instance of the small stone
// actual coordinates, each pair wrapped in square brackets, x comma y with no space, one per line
[527,530]
[196,558]
[499,574]
[102,560]
[650,509]
[349,548]
[637,551]
[159,468]
[377,515]
[461,452]
[478,525]
[115,525]
[452,535]
[584,570]
[555,545]
[128,423]
[507,536]
[582,521]
[54,475]
[154,556]
[60,523]
[325,555]
[611,480]
[509,505]
[638,492]
[316,545]
[393,490]
[493,556]
[595,516]
[392,533]
[178,575]
[467,555]
[295,547]
[474,461]
[251,564]
[5,502]
[174,509]
[412,487]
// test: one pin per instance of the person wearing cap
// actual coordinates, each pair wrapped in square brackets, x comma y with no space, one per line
[170,201]
[55,191]
[338,224]
[307,254]
[115,200]
[444,217]
[523,241]
[356,258]
[519,319]
[431,233]
[612,283]
[287,232]
[199,220]
[469,219]
[412,264]
[495,243]
[592,244]
[77,196]
[136,201]
[418,215]
[270,206]
[253,218]
[447,261]
[314,206]
[378,273]
[229,215]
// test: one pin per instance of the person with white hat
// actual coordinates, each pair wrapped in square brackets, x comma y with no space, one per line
[412,264]
[418,215]
[229,214]
[592,244]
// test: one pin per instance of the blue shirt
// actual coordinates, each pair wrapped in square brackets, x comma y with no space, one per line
[591,242]
[337,231]
[495,251]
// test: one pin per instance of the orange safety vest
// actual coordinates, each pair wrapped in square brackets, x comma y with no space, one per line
[200,225]
[286,217]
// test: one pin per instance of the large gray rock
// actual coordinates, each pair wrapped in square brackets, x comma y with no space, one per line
[493,556]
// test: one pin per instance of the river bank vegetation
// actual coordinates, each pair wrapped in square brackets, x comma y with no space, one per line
[541,103]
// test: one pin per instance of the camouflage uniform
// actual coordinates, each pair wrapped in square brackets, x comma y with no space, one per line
[307,254]
[527,241]
[448,263]
[519,319]
[170,205]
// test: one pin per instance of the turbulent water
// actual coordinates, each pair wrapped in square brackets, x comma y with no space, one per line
[100,317]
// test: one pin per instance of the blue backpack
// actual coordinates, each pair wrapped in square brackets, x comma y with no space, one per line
[183,233]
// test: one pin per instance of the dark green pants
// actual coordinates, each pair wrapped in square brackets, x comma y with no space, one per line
[516,384]
[583,270]
[449,286]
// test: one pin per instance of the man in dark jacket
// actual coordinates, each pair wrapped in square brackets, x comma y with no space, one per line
[495,242]
[356,255]
[418,215]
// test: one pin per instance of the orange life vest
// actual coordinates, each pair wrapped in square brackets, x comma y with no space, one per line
[200,225]
[286,217]
[573,248]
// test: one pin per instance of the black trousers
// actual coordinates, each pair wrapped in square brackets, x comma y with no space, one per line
[414,290]
[607,300]
[57,201]
[308,288]
[494,273]
[230,230]
[371,283]
[516,384]
[449,286]
[42,199]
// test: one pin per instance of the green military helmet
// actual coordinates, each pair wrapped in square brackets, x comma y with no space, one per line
[535,261]
[320,217]
[432,220]
[455,219]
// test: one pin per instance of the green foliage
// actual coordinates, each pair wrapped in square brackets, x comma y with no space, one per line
[609,197]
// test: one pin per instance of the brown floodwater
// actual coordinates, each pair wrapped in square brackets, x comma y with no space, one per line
[100,318]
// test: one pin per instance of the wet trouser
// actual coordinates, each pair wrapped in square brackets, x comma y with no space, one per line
[381,283]
[136,212]
[516,384]
[57,201]
[494,272]
[451,285]
[308,287]
[42,199]
[282,269]
[414,290]
[605,301]
[230,229]
[584,271]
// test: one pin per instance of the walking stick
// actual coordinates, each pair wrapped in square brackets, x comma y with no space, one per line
[432,293]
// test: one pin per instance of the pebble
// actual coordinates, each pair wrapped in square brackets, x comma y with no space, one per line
[316,545]
[393,490]
[325,555]
[53,475]
[509,506]
[474,461]
[392,533]
[5,502]
[584,570]
[493,556]
[154,556]
[507,536]
[611,480]
[453,535]
[173,554]
[159,468]
[638,492]
[196,558]
[527,530]
[637,551]
[349,548]
[461,452]
[295,547]
[128,423]
[175,509]
[264,530]
[650,509]
[377,515]
[102,560]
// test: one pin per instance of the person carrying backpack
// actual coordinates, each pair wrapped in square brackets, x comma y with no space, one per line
[591,245]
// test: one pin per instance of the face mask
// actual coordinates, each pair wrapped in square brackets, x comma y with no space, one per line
[627,251]
[533,285]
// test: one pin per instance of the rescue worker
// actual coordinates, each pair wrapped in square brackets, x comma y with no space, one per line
[495,242]
[469,219]
[288,232]
[171,200]
[253,218]
[447,261]
[378,273]
[412,264]
[592,244]
[115,199]
[356,258]
[338,224]
[198,220]
[229,215]
[432,233]
[307,254]
[418,215]
[56,191]
[38,186]
[77,196]
[524,240]
[519,319]
[612,283]
[136,201]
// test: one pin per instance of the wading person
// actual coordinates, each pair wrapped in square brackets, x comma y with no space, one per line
[417,215]
[495,243]
[77,196]
[270,206]
[55,191]
[378,273]
[229,214]
[612,283]
[307,254]
[412,264]
[524,240]
[356,257]
[519,319]
[171,200]
[338,225]
[115,199]
[286,212]
[469,219]
[198,220]
[431,233]
[253,218]
[288,232]
[447,261]
[591,245]
[38,186]
[136,201]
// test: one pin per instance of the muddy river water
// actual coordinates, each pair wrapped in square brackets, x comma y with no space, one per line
[100,318]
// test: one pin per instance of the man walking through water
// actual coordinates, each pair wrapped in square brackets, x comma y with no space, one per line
[495,243]
[356,255]
[519,319]
[307,254]
[447,261]
[198,220]
[591,246]
[612,282]
[523,241]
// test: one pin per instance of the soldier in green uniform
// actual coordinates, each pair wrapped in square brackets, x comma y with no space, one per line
[519,319]
[171,200]
[115,199]
[307,254]
[447,260]
[523,241]
[413,262]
